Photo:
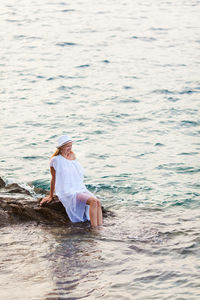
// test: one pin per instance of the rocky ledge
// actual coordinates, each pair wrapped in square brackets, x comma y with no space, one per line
[17,205]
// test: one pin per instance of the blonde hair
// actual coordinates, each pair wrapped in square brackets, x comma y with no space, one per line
[56,153]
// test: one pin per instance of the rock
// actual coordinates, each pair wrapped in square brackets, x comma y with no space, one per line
[16,189]
[2,183]
[14,211]
[38,190]
[13,188]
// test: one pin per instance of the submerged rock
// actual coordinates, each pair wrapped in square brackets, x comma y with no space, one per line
[22,207]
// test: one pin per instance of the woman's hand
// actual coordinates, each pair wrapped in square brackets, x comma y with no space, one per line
[46,200]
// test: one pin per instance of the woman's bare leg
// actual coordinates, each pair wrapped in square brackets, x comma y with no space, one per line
[99,214]
[93,211]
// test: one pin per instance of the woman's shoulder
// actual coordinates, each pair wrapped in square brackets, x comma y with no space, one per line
[53,160]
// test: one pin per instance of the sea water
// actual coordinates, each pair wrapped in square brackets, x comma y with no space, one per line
[122,79]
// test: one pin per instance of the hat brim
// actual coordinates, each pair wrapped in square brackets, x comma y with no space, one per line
[70,141]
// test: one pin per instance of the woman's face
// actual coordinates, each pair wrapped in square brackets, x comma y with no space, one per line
[65,149]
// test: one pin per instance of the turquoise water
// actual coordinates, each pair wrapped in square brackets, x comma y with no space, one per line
[122,79]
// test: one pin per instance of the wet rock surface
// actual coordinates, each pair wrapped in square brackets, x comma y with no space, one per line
[17,205]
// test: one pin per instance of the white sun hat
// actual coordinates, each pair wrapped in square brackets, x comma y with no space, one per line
[62,140]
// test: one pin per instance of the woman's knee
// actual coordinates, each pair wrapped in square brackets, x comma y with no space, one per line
[94,202]
[98,203]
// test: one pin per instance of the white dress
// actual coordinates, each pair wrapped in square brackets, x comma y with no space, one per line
[70,188]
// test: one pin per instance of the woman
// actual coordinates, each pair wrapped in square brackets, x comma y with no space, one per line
[67,180]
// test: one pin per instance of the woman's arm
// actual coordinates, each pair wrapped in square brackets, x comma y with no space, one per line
[53,177]
[52,187]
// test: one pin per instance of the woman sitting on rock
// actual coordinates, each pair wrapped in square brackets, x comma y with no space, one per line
[67,180]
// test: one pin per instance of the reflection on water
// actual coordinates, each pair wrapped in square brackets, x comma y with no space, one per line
[151,254]
[127,258]
[75,263]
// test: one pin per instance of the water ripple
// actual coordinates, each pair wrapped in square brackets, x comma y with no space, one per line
[114,81]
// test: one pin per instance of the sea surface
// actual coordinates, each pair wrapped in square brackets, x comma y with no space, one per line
[122,79]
